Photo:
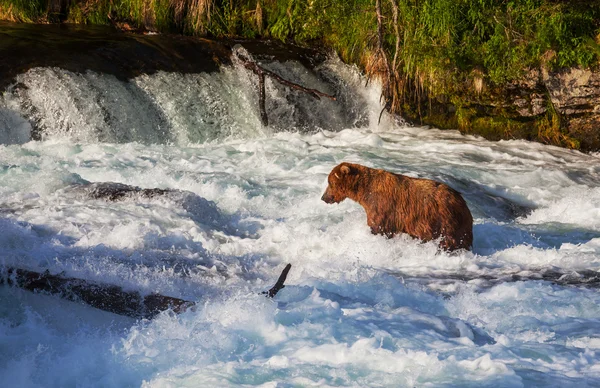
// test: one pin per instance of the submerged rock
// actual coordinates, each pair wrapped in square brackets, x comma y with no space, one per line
[112,191]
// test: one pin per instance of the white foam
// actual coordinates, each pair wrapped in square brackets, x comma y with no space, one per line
[14,129]
[358,309]
[578,205]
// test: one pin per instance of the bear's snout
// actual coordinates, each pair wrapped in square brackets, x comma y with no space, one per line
[327,197]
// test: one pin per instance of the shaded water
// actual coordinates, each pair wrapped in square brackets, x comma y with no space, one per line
[242,201]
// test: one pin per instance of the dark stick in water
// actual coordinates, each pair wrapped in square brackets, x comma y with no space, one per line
[262,72]
[279,285]
[261,99]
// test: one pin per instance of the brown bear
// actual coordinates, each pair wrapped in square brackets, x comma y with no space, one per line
[422,208]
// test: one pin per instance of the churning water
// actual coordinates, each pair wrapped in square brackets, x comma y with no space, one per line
[243,200]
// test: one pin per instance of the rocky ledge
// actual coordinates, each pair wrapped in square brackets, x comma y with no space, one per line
[575,94]
[125,55]
[553,107]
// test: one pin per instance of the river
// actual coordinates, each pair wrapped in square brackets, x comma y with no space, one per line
[243,200]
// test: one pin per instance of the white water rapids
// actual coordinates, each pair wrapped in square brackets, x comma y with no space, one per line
[358,309]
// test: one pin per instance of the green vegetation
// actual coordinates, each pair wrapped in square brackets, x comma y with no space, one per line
[456,50]
[24,10]
[499,37]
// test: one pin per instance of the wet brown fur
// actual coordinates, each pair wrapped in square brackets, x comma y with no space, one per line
[422,208]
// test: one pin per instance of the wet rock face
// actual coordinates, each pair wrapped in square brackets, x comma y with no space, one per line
[575,91]
[529,96]
[587,129]
[118,191]
[524,109]
[575,94]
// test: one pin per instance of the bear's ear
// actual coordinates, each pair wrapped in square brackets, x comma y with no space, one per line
[345,170]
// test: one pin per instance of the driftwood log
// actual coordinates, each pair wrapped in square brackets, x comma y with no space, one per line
[104,296]
[101,296]
[250,64]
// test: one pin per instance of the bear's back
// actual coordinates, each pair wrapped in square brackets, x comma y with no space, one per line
[427,209]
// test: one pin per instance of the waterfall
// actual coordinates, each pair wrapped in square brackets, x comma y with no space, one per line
[175,108]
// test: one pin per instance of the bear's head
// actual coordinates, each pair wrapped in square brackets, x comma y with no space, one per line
[342,183]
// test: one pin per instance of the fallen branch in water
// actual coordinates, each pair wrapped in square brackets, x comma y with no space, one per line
[105,296]
[262,72]
[261,99]
[279,285]
[101,296]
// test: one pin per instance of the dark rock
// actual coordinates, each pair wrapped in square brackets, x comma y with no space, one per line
[102,49]
[112,191]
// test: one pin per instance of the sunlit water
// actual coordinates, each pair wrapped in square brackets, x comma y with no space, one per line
[358,309]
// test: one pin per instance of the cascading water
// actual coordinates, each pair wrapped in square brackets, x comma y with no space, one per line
[173,108]
[242,200]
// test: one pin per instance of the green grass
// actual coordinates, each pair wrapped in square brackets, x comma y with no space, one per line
[437,37]
[28,11]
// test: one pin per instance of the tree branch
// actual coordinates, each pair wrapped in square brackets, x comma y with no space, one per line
[262,72]
[261,99]
[381,52]
[257,69]
[279,285]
